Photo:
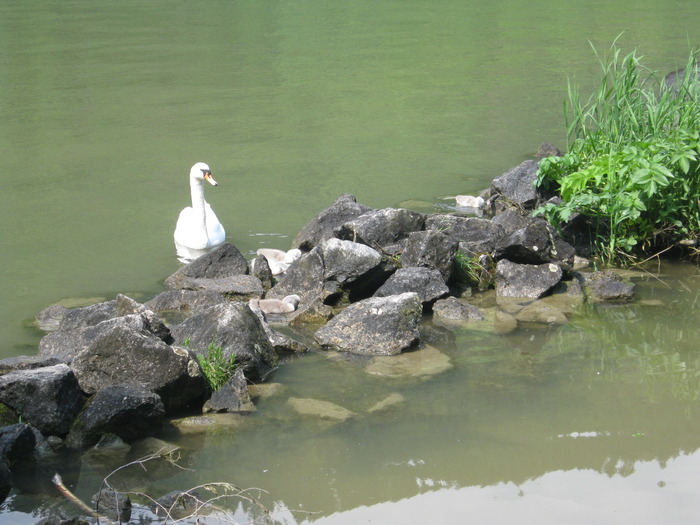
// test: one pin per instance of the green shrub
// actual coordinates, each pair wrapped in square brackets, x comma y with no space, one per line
[632,166]
[216,368]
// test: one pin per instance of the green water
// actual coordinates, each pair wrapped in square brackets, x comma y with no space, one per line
[103,109]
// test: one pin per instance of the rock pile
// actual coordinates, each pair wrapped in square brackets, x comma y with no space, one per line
[364,282]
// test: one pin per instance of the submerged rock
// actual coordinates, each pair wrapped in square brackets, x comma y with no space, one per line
[608,287]
[455,310]
[422,363]
[320,409]
[379,325]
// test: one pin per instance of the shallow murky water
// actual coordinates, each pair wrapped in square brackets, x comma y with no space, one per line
[292,104]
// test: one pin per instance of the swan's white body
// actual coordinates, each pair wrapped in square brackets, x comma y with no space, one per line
[198,230]
[275,306]
[279,260]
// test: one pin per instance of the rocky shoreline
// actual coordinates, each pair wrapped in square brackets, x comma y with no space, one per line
[365,283]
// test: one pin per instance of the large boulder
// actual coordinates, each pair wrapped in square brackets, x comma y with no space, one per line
[536,243]
[475,235]
[75,318]
[305,279]
[517,185]
[426,282]
[214,270]
[384,228]
[347,260]
[526,280]
[126,356]
[378,325]
[344,209]
[430,249]
[129,411]
[234,328]
[184,300]
[66,344]
[48,398]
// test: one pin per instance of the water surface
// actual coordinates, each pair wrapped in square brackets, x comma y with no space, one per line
[105,108]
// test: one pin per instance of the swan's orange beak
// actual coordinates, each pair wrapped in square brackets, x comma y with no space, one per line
[209,178]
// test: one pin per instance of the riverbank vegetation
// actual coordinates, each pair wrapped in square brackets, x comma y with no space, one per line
[632,168]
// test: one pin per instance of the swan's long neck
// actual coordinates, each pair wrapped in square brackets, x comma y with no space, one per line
[199,204]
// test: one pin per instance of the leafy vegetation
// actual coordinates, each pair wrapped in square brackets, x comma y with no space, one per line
[632,166]
[217,368]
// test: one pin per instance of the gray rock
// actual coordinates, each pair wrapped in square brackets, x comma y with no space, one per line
[25,362]
[66,344]
[233,397]
[16,443]
[305,279]
[126,356]
[235,288]
[526,280]
[536,243]
[607,286]
[344,209]
[382,228]
[547,149]
[189,300]
[511,220]
[237,330]
[426,282]
[225,261]
[48,398]
[260,268]
[430,249]
[516,185]
[379,325]
[113,504]
[452,309]
[476,235]
[130,411]
[50,318]
[347,260]
[76,318]
[6,481]
[127,306]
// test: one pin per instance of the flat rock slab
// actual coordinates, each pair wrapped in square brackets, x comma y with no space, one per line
[320,409]
[423,363]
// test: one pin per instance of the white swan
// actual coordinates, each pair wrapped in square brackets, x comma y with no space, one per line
[198,230]
[275,306]
[279,260]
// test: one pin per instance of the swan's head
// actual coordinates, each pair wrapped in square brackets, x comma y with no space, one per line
[201,171]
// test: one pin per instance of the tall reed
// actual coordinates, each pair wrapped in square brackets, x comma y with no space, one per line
[632,165]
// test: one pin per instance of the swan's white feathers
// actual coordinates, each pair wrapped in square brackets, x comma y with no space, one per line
[198,228]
